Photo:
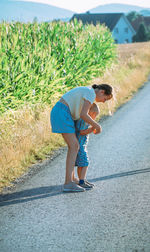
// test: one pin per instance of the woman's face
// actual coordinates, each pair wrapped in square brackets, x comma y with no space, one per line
[102,97]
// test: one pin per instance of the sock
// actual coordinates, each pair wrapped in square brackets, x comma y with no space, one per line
[81,181]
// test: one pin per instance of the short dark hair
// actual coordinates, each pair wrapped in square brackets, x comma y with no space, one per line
[94,108]
[106,87]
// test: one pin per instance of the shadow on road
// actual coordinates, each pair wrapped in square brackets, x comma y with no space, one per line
[122,174]
[30,194]
[49,191]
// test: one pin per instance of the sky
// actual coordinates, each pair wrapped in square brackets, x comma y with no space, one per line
[84,5]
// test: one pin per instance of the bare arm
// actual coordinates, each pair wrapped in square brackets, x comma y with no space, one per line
[87,131]
[84,115]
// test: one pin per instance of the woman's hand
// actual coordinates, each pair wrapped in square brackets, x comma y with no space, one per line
[98,129]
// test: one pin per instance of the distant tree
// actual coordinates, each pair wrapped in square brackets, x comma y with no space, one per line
[133,15]
[148,36]
[35,20]
[142,34]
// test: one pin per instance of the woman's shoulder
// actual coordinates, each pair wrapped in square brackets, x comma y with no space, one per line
[89,94]
[80,91]
[86,90]
[83,88]
[90,89]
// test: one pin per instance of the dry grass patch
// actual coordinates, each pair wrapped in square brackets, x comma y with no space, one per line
[128,75]
[25,138]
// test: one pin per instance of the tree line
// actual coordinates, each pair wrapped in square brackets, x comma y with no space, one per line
[143,31]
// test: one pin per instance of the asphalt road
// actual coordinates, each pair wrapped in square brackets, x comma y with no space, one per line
[113,217]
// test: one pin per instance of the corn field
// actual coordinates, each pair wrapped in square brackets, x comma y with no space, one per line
[38,62]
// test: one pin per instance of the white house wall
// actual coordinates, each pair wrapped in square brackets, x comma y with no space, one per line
[122,36]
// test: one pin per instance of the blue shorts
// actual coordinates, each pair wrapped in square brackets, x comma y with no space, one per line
[61,119]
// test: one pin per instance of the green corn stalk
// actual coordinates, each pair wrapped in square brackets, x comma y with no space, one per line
[39,62]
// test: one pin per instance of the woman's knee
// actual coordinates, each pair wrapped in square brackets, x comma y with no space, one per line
[71,141]
[74,146]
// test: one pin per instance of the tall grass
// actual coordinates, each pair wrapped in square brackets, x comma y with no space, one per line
[128,75]
[38,61]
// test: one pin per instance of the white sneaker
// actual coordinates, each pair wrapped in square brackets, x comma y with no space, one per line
[73,187]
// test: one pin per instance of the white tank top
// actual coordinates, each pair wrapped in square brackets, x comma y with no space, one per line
[75,99]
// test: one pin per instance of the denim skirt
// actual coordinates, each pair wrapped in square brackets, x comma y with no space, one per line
[61,119]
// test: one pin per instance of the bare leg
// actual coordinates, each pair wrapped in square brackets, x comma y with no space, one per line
[73,147]
[79,172]
[82,172]
[76,180]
